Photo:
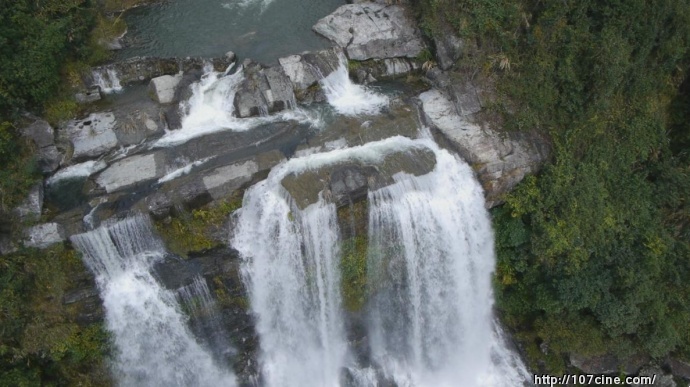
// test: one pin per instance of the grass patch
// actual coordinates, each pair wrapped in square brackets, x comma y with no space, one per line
[353,268]
[189,231]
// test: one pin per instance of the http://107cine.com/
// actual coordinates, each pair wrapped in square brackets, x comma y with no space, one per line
[593,380]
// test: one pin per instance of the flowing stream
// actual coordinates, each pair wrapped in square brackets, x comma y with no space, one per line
[154,346]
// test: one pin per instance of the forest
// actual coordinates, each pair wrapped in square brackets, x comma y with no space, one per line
[593,252]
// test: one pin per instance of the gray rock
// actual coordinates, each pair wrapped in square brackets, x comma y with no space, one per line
[41,133]
[679,368]
[43,136]
[376,69]
[223,180]
[162,89]
[609,364]
[31,207]
[44,235]
[307,69]
[349,181]
[230,56]
[90,95]
[263,91]
[372,31]
[92,136]
[449,48]
[501,160]
[139,69]
[7,246]
[130,171]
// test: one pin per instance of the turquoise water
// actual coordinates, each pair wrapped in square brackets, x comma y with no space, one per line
[263,30]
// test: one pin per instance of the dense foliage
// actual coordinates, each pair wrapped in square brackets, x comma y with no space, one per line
[43,43]
[40,342]
[593,252]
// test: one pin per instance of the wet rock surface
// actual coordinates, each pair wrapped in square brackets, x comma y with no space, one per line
[348,181]
[307,69]
[372,31]
[92,136]
[263,91]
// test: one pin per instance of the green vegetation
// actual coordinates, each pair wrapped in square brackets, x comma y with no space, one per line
[40,342]
[189,231]
[353,269]
[593,253]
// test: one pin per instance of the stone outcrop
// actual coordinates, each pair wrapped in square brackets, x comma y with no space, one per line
[307,69]
[92,136]
[141,69]
[501,160]
[449,48]
[263,91]
[377,69]
[162,89]
[372,31]
[44,235]
[43,135]
[609,364]
[349,181]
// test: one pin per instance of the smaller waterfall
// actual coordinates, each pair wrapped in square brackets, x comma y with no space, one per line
[292,273]
[154,346]
[348,98]
[206,320]
[107,80]
[210,109]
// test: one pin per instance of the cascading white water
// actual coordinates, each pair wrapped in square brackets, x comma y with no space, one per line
[107,79]
[291,269]
[210,109]
[154,347]
[431,257]
[349,98]
[430,262]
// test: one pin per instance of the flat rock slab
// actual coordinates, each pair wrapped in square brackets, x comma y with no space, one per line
[263,91]
[501,160]
[44,235]
[229,177]
[92,136]
[372,31]
[130,171]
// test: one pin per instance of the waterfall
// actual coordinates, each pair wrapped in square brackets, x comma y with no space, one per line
[210,109]
[431,256]
[206,321]
[291,271]
[107,80]
[153,344]
[349,98]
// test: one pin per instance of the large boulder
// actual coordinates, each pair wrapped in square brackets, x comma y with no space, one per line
[377,69]
[307,69]
[162,89]
[372,31]
[501,160]
[43,136]
[263,91]
[44,235]
[93,136]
